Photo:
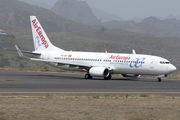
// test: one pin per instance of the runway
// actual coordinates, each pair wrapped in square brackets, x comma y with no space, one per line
[39,82]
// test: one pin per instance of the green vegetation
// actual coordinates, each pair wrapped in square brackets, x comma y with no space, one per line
[3,61]
[106,95]
[12,80]
[35,67]
[96,96]
[127,95]
[144,95]
[49,96]
[46,68]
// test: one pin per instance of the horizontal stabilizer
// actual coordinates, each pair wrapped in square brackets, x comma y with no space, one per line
[23,51]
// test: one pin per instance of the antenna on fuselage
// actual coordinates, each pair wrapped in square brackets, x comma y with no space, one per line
[133,51]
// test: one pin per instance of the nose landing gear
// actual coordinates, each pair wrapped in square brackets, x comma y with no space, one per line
[158,79]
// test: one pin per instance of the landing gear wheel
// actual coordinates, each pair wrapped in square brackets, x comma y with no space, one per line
[88,76]
[158,79]
[108,77]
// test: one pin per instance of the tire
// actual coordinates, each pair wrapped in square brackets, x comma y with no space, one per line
[88,76]
[108,77]
[158,79]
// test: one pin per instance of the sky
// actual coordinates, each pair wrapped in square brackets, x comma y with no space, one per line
[138,8]
[128,9]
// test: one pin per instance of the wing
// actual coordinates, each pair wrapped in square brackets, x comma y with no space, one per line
[78,65]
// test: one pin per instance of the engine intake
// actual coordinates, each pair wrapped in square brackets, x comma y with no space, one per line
[99,72]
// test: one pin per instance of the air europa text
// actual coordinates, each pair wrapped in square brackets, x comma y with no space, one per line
[39,31]
[118,57]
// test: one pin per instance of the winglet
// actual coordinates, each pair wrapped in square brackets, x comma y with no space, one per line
[19,51]
[133,51]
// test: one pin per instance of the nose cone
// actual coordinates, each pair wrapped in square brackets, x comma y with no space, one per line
[172,68]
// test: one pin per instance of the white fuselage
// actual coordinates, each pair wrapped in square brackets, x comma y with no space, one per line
[120,63]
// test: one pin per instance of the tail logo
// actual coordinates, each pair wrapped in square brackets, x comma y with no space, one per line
[37,43]
[40,36]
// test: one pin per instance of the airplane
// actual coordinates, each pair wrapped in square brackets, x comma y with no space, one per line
[96,64]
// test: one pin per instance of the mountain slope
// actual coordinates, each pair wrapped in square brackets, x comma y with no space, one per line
[17,13]
[114,24]
[150,25]
[37,3]
[78,11]
[104,16]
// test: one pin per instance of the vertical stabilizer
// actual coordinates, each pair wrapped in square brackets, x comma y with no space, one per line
[40,39]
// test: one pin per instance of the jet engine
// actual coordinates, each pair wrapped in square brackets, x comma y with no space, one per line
[130,75]
[99,72]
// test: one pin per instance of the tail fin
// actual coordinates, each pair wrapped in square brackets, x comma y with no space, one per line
[40,39]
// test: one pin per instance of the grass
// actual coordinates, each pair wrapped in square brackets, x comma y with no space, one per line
[106,95]
[88,108]
[49,96]
[12,80]
[144,95]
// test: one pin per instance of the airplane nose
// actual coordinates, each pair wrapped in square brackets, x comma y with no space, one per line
[172,68]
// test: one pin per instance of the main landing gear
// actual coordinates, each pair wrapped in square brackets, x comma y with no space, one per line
[108,77]
[88,76]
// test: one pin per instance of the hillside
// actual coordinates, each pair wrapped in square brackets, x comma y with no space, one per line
[38,3]
[105,16]
[150,25]
[17,14]
[78,11]
[70,35]
[115,24]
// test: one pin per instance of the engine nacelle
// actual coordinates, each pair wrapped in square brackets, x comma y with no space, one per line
[130,75]
[99,72]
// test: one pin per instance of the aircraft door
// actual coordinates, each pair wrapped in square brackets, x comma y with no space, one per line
[152,64]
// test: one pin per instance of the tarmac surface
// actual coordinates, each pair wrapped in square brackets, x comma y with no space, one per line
[41,82]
